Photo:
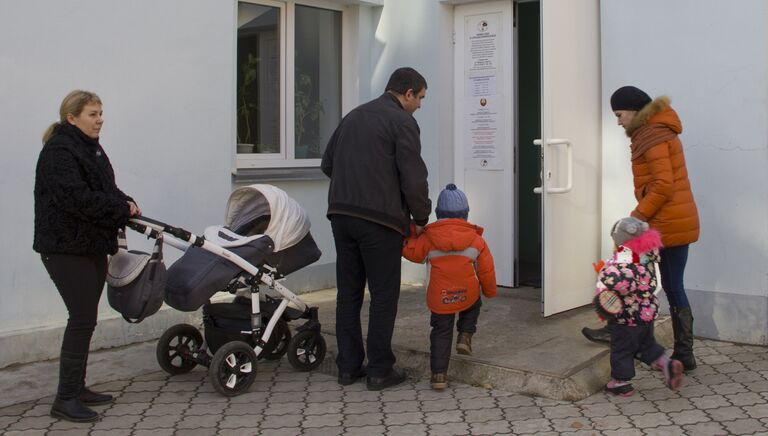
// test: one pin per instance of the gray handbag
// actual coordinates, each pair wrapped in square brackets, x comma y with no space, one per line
[136,281]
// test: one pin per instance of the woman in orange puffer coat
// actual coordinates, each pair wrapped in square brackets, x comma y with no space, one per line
[664,198]
[461,266]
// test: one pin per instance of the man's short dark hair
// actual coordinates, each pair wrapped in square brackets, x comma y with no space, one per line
[406,78]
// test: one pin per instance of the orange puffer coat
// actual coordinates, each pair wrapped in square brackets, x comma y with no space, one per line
[460,261]
[662,189]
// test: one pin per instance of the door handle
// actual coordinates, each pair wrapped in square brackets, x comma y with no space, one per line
[569,166]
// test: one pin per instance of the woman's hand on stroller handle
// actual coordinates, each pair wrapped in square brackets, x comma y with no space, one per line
[154,228]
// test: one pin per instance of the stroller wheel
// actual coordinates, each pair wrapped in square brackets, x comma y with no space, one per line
[233,368]
[306,350]
[278,343]
[176,348]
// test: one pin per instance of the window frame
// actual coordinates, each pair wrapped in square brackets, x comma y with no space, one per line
[287,21]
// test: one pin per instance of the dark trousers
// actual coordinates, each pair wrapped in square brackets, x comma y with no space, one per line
[441,337]
[80,281]
[672,266]
[366,251]
[629,342]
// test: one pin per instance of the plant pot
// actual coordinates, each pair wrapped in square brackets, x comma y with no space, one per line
[244,148]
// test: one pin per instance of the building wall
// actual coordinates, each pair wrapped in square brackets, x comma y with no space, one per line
[711,59]
[165,73]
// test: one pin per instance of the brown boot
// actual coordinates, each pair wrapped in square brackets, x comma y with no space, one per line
[464,344]
[439,381]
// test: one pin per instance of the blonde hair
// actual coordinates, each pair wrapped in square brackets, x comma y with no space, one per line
[73,103]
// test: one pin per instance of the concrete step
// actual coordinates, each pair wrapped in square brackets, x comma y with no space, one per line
[515,348]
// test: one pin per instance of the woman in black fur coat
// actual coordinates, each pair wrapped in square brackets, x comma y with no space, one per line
[78,211]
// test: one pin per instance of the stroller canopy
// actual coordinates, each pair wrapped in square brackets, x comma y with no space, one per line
[288,221]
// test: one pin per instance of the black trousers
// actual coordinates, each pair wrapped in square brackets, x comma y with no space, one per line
[628,342]
[366,251]
[80,281]
[441,337]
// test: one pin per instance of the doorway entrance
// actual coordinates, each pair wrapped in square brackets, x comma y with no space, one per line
[527,140]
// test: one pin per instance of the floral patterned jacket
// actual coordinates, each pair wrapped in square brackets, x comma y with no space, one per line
[634,278]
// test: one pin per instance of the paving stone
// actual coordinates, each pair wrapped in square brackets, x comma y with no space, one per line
[476,403]
[32,423]
[278,421]
[481,415]
[688,417]
[449,429]
[283,408]
[664,430]
[650,420]
[181,386]
[623,432]
[515,401]
[519,413]
[166,409]
[25,433]
[710,402]
[119,409]
[439,405]
[400,406]
[142,397]
[195,432]
[322,431]
[391,419]
[745,399]
[674,405]
[408,430]
[145,386]
[153,422]
[561,411]
[757,411]
[323,408]
[363,419]
[362,407]
[285,431]
[593,410]
[726,413]
[110,432]
[449,416]
[613,422]
[172,397]
[17,409]
[355,397]
[711,379]
[39,410]
[327,420]
[206,409]
[758,365]
[531,426]
[240,421]
[367,430]
[198,421]
[659,394]
[117,422]
[747,378]
[390,396]
[153,432]
[744,426]
[563,425]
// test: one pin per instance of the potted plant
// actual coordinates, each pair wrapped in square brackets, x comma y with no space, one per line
[249,71]
[306,110]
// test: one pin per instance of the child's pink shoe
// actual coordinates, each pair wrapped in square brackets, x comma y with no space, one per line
[673,374]
[622,389]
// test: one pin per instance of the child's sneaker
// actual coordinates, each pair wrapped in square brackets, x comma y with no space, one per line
[439,381]
[619,388]
[464,344]
[673,374]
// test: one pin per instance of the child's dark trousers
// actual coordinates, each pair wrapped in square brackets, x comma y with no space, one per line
[628,342]
[441,337]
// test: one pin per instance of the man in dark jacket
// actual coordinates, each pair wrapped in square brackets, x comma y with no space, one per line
[378,182]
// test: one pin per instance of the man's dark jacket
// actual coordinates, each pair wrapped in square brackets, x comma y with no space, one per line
[78,207]
[375,165]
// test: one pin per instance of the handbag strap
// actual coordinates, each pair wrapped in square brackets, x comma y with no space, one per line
[122,241]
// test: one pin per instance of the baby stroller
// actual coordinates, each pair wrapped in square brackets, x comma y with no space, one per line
[264,238]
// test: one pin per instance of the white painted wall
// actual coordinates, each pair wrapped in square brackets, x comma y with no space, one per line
[158,68]
[711,58]
[165,72]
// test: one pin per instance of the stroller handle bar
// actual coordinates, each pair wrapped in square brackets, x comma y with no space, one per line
[154,228]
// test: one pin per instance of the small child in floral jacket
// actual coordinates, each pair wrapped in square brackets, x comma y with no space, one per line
[631,275]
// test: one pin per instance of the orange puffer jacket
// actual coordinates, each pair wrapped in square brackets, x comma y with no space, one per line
[460,261]
[662,189]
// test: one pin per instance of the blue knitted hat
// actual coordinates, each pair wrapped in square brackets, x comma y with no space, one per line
[452,203]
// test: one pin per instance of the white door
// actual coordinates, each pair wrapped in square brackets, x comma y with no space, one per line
[483,127]
[570,144]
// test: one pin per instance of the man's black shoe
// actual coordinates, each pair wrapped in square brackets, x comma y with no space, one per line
[394,378]
[347,378]
[600,336]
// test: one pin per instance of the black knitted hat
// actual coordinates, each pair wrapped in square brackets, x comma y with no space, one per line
[629,98]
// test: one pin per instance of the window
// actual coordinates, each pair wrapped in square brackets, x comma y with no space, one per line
[270,131]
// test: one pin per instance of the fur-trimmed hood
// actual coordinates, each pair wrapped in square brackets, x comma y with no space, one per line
[656,112]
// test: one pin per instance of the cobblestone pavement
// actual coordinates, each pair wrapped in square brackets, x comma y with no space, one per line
[727,395]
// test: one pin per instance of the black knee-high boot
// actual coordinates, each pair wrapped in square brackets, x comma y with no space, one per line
[89,397]
[682,327]
[67,405]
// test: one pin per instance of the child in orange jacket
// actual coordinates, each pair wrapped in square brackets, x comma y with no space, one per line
[461,264]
